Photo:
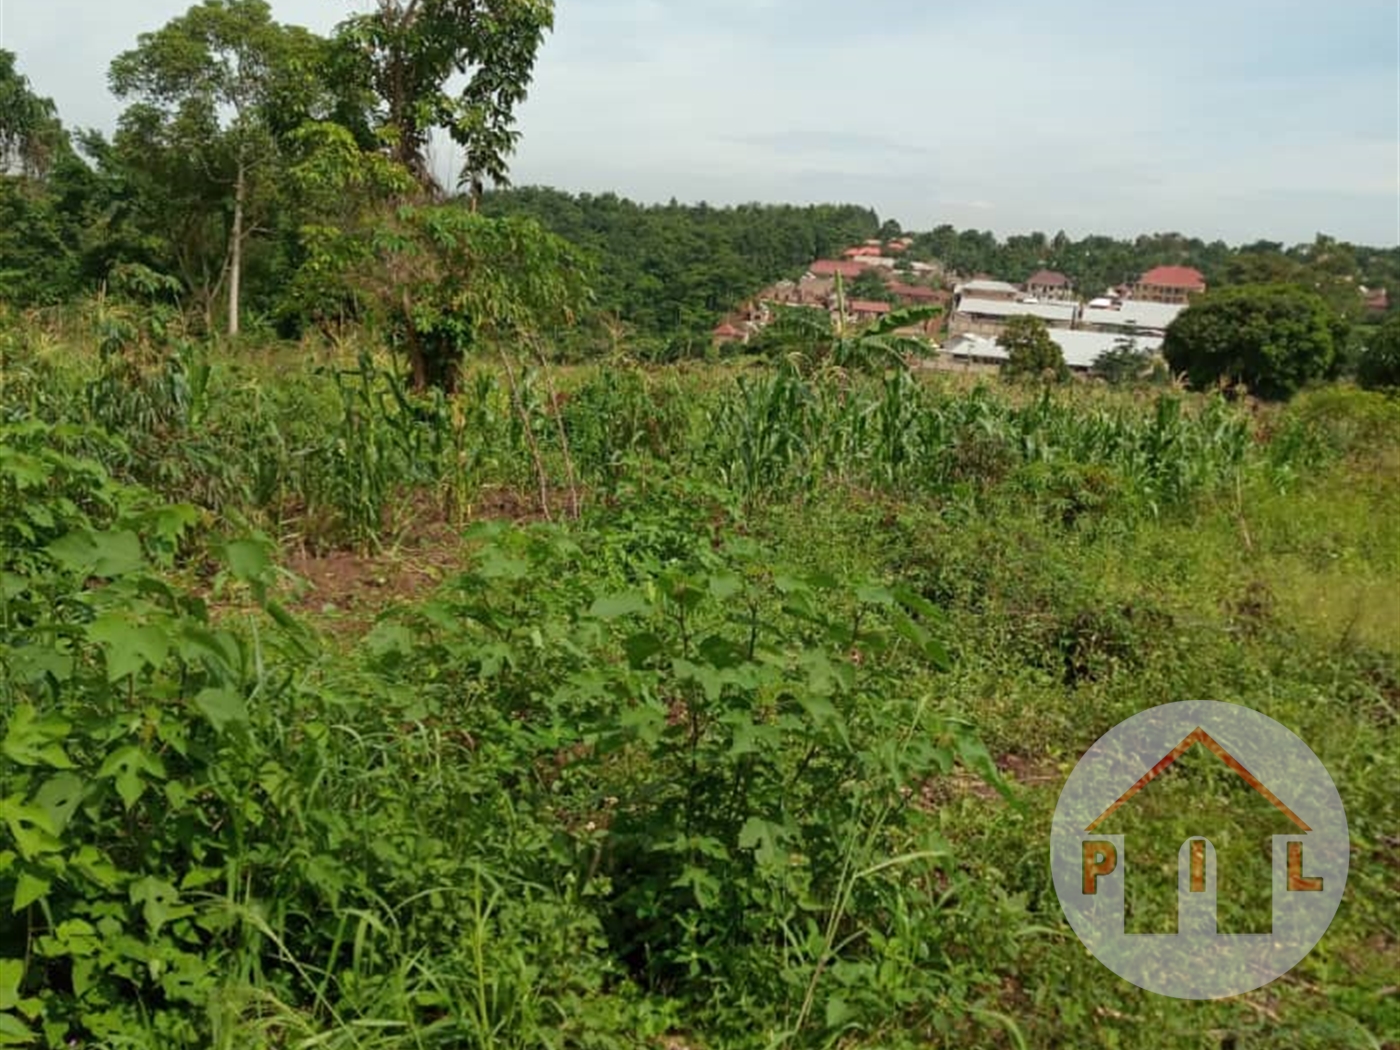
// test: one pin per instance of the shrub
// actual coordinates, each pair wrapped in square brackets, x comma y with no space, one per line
[1379,365]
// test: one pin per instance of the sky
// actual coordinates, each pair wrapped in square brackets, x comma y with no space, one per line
[1229,119]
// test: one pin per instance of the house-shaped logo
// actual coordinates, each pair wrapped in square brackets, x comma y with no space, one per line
[1233,867]
[1199,849]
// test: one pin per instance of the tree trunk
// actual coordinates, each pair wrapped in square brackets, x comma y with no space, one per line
[235,276]
[416,358]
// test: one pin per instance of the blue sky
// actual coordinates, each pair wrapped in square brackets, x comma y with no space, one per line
[1237,119]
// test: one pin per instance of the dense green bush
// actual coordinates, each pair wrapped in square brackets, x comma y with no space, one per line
[1273,339]
[1378,367]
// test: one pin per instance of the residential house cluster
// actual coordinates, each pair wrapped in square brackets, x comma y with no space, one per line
[979,309]
[1141,311]
[826,286]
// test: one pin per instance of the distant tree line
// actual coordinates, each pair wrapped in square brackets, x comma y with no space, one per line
[276,179]
[666,273]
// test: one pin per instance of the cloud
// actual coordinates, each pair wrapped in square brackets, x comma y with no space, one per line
[1257,118]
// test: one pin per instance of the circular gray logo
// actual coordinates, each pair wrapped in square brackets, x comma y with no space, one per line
[1199,850]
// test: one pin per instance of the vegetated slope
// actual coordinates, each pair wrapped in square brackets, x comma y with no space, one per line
[716,764]
[670,271]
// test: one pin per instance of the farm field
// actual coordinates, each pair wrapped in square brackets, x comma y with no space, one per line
[610,706]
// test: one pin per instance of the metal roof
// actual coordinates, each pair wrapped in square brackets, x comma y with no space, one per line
[1133,314]
[1052,311]
[1081,349]
[1001,287]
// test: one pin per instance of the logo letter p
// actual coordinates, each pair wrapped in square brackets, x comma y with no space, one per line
[1100,858]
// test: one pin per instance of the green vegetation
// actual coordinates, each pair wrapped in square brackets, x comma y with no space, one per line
[756,743]
[1126,362]
[1379,364]
[1272,339]
[406,687]
[1031,353]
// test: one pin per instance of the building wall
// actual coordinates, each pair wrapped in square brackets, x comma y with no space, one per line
[1156,293]
[1055,293]
[996,296]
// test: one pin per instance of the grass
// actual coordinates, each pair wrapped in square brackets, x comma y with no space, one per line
[759,749]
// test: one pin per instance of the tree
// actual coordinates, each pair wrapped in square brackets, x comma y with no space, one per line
[1124,362]
[1271,338]
[30,133]
[871,285]
[1379,365]
[210,88]
[443,281]
[407,52]
[1031,351]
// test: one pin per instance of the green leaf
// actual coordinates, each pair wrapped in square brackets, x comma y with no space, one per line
[28,889]
[126,767]
[60,797]
[223,708]
[616,606]
[32,828]
[159,901]
[642,647]
[14,1032]
[130,648]
[248,560]
[725,585]
[11,974]
[34,741]
[105,554]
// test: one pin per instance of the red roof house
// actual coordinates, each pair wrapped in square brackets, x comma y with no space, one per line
[868,308]
[832,268]
[917,294]
[1169,284]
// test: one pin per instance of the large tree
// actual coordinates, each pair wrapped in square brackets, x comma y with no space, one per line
[1031,351]
[211,90]
[30,134]
[441,281]
[410,52]
[1271,338]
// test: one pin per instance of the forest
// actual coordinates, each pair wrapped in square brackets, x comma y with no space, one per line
[414,634]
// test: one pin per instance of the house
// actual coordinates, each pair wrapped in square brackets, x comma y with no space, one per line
[1047,284]
[978,349]
[848,270]
[985,288]
[1169,284]
[1129,316]
[867,309]
[1377,300]
[918,295]
[1080,349]
[863,252]
[727,333]
[989,316]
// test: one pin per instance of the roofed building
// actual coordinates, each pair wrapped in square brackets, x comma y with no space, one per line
[1130,316]
[867,309]
[1047,284]
[983,288]
[1169,284]
[989,316]
[848,270]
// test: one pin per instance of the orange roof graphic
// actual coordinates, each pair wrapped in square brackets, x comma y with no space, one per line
[1200,736]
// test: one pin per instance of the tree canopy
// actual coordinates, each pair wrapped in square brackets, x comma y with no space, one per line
[408,52]
[1272,338]
[1032,353]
